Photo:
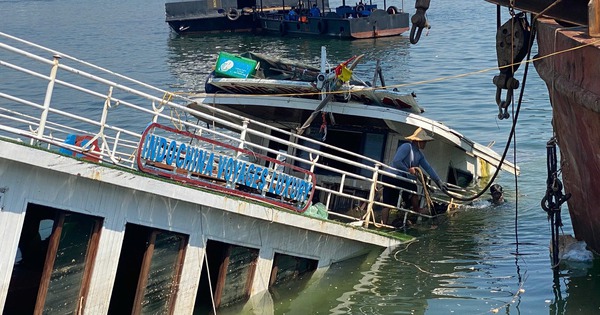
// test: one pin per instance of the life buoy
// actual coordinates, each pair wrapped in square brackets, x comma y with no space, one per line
[392,10]
[282,29]
[81,141]
[321,27]
[233,14]
[359,8]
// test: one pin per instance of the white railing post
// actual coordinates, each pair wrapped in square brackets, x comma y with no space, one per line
[594,18]
[245,123]
[100,135]
[372,193]
[48,98]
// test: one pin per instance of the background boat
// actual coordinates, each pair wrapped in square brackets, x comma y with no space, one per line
[352,22]
[287,17]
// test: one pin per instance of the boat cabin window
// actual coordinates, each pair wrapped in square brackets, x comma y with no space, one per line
[459,177]
[367,143]
[227,274]
[56,258]
[148,271]
[287,268]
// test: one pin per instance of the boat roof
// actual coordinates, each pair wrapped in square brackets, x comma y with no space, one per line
[283,110]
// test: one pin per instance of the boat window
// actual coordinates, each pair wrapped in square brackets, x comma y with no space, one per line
[370,144]
[148,271]
[228,271]
[287,268]
[373,147]
[57,248]
[459,177]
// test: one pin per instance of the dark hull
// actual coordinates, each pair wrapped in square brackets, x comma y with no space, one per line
[379,24]
[573,80]
[214,24]
[202,16]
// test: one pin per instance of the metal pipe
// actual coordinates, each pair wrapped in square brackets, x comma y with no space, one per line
[594,18]
[48,98]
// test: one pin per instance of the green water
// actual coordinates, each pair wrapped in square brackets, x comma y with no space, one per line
[471,263]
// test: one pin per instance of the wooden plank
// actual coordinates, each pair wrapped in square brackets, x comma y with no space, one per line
[49,263]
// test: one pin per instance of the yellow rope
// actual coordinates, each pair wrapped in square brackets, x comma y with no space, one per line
[421,179]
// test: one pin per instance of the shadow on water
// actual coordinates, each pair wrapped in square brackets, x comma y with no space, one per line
[572,289]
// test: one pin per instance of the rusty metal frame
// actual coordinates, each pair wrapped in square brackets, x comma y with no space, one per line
[573,11]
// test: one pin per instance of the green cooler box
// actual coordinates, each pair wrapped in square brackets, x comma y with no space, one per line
[232,66]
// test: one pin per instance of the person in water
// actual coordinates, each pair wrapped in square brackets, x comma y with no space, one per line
[497,194]
[408,158]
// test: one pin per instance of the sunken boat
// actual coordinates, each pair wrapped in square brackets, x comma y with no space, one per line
[134,206]
[335,112]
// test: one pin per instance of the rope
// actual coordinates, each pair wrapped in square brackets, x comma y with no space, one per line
[554,198]
[421,179]
[205,258]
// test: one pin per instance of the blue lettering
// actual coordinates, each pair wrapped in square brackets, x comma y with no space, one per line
[161,150]
[281,178]
[250,174]
[230,169]
[241,173]
[208,170]
[264,172]
[149,146]
[171,152]
[190,155]
[199,161]
[222,163]
[308,186]
[256,176]
[272,184]
[286,190]
[178,159]
[294,188]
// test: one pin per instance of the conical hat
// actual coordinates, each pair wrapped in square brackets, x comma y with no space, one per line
[419,135]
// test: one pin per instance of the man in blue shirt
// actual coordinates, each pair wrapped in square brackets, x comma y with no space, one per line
[314,11]
[292,15]
[408,158]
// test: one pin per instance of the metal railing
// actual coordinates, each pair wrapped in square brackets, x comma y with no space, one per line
[111,115]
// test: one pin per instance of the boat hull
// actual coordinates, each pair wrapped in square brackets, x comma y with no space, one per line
[378,24]
[572,80]
[213,24]
[190,17]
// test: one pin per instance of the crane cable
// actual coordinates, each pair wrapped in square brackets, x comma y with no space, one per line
[512,130]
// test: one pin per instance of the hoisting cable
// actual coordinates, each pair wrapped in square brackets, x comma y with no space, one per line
[516,190]
[512,130]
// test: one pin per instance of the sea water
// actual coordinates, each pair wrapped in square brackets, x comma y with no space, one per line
[485,259]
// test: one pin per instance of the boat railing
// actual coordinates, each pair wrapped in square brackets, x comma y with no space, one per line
[79,113]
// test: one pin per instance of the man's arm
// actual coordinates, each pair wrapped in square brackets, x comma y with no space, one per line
[400,157]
